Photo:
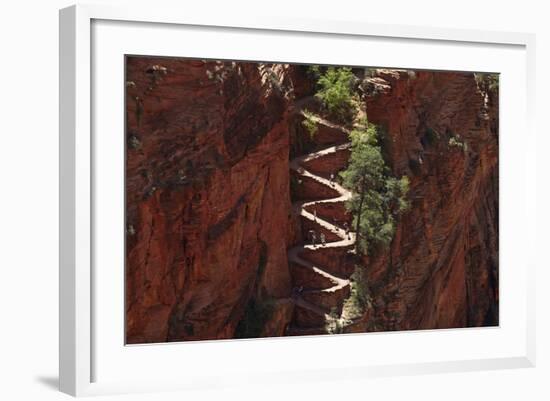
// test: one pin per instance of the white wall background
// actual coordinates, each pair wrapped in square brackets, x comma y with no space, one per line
[29,186]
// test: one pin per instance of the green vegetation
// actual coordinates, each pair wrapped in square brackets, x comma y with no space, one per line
[378,197]
[314,71]
[256,315]
[456,141]
[309,123]
[134,142]
[335,90]
[359,298]
[362,123]
[487,82]
[333,324]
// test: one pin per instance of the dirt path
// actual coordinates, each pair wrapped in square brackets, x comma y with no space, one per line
[296,254]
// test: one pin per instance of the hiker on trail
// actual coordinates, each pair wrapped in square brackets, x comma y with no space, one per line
[346,228]
[322,239]
[313,237]
[315,215]
[331,179]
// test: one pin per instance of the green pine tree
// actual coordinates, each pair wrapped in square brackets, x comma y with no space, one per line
[335,90]
[378,198]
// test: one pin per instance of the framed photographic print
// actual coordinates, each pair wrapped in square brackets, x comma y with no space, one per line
[354,198]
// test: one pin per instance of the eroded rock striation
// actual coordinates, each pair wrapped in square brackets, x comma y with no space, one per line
[441,130]
[211,234]
[208,205]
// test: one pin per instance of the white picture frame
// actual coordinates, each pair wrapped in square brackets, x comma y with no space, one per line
[78,163]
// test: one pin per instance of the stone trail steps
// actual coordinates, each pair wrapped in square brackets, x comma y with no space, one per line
[337,282]
[338,286]
[330,124]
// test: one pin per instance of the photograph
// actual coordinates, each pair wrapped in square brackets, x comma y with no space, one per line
[288,201]
[271,199]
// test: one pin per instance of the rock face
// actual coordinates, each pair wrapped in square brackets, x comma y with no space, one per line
[442,268]
[209,219]
[208,207]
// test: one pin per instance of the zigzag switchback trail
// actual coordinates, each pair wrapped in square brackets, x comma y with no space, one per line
[319,270]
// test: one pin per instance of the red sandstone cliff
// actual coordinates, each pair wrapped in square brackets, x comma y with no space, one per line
[207,196]
[209,219]
[442,268]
